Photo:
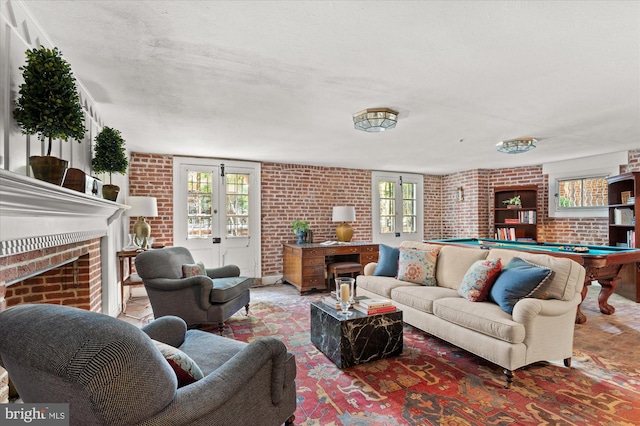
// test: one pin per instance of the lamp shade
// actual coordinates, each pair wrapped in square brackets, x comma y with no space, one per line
[516,146]
[344,214]
[142,206]
[375,119]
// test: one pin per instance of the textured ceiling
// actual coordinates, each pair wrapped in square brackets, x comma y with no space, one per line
[279,80]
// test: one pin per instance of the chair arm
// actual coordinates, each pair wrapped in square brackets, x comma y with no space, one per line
[369,268]
[168,329]
[527,309]
[209,394]
[223,271]
[203,283]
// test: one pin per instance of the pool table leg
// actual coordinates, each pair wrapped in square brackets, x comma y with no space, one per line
[580,317]
[609,285]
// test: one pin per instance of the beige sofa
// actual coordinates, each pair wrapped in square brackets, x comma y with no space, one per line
[537,330]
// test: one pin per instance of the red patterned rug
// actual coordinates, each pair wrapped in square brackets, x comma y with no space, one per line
[435,383]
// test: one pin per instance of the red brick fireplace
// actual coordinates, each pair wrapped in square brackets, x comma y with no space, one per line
[55,245]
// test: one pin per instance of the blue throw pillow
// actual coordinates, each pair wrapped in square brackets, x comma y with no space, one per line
[518,279]
[387,261]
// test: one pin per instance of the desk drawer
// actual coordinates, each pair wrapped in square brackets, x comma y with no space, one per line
[316,270]
[313,252]
[316,282]
[313,261]
[341,250]
[368,258]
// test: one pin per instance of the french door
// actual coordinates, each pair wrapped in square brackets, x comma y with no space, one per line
[217,211]
[397,207]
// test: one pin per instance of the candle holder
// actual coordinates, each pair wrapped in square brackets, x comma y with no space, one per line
[344,295]
[349,281]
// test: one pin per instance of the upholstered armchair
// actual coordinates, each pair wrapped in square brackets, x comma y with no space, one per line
[111,373]
[201,299]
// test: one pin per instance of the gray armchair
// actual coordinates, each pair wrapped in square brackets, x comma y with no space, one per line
[198,300]
[111,373]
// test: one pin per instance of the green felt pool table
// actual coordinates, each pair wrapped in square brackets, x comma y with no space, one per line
[607,265]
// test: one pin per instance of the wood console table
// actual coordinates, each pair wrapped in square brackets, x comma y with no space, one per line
[132,278]
[305,265]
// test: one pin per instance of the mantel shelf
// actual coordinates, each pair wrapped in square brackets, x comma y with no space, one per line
[30,208]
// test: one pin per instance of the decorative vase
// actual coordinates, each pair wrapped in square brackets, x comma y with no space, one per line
[514,206]
[302,235]
[110,192]
[49,169]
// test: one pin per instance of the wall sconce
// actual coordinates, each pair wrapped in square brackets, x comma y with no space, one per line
[460,194]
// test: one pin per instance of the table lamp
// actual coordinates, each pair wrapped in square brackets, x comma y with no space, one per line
[142,207]
[344,214]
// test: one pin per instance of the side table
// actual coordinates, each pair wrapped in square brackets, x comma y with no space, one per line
[355,339]
[132,278]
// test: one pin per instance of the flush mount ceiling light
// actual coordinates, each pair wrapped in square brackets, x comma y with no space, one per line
[375,119]
[516,146]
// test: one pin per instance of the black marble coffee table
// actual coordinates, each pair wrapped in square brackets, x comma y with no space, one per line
[355,339]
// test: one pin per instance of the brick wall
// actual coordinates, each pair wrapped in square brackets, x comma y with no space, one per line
[292,192]
[309,193]
[432,197]
[77,285]
[151,175]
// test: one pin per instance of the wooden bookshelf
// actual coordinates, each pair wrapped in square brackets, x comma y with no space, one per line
[516,223]
[624,227]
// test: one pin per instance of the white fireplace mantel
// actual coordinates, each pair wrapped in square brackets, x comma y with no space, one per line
[37,212]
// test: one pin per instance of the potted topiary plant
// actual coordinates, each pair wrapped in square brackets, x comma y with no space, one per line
[49,106]
[110,157]
[300,228]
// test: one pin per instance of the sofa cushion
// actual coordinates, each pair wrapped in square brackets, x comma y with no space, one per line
[453,263]
[479,279]
[225,289]
[565,271]
[483,317]
[187,371]
[380,285]
[519,279]
[387,261]
[420,297]
[418,266]
[193,270]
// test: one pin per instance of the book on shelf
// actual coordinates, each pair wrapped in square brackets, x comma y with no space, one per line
[373,311]
[622,216]
[374,303]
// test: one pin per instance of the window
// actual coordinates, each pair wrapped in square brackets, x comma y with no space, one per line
[397,207]
[585,192]
[199,198]
[237,195]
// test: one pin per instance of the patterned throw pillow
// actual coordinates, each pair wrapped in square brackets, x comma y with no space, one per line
[519,279]
[387,262]
[418,266]
[193,270]
[187,371]
[479,278]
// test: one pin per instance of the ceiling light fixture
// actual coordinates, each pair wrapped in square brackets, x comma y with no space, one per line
[375,119]
[516,146]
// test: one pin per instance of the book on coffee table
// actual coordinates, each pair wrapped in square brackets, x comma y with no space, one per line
[373,311]
[374,303]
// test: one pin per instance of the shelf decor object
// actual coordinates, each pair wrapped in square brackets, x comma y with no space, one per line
[516,146]
[375,119]
[142,207]
[344,214]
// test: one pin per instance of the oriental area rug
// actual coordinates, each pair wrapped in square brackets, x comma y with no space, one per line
[434,383]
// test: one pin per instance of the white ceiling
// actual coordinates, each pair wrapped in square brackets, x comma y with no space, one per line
[279,80]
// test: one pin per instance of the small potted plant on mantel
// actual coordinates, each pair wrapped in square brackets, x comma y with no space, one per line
[49,106]
[300,228]
[513,203]
[110,157]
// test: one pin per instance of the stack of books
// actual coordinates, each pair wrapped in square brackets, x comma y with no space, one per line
[331,301]
[374,306]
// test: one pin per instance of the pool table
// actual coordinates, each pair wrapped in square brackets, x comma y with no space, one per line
[607,265]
